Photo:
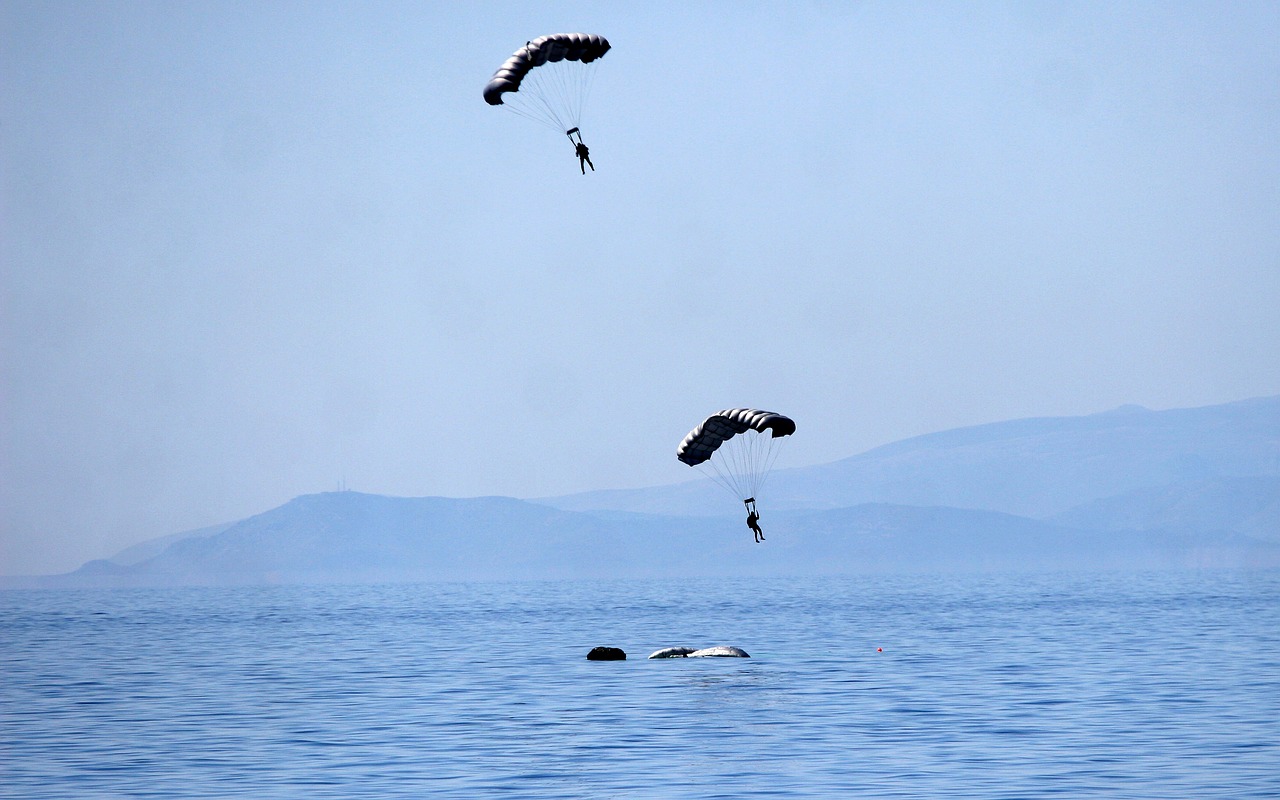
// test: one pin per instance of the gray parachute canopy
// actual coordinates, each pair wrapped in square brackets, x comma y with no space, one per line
[705,439]
[555,90]
[584,47]
[734,445]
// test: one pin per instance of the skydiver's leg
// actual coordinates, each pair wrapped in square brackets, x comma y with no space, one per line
[593,166]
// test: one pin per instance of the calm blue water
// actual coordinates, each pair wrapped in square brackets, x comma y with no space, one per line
[1152,686]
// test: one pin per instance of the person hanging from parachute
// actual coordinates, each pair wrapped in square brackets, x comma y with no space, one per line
[581,151]
[738,446]
[753,518]
[584,156]
[548,81]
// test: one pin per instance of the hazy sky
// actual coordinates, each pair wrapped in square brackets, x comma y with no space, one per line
[252,250]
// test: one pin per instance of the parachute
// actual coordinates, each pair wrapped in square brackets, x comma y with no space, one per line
[548,79]
[739,446]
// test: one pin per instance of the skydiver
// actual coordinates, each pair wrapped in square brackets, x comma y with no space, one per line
[753,519]
[584,159]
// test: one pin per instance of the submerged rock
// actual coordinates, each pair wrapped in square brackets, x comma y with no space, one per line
[673,652]
[606,654]
[720,652]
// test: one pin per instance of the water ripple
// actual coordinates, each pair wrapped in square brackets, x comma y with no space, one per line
[1154,686]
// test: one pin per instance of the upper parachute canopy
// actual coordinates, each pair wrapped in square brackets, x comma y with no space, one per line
[703,441]
[584,47]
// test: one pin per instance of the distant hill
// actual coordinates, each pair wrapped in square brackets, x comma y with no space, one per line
[1030,467]
[350,536]
[1246,506]
[353,537]
[1125,489]
[153,547]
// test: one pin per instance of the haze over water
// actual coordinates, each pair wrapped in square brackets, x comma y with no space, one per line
[251,251]
[987,686]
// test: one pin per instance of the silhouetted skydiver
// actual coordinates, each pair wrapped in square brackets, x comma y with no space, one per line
[753,518]
[584,158]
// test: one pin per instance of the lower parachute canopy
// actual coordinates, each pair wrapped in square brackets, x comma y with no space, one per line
[548,79]
[738,445]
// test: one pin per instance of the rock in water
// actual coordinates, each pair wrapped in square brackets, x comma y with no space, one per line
[721,652]
[673,652]
[606,654]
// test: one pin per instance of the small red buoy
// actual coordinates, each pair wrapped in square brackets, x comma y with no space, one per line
[879,649]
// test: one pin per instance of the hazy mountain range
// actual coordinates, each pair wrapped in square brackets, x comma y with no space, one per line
[1030,467]
[1126,488]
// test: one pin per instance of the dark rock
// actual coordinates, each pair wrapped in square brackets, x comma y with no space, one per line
[606,654]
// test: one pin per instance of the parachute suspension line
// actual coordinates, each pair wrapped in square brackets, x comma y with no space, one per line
[725,461]
[762,462]
[523,110]
[746,461]
[769,454]
[741,464]
[530,105]
[539,94]
[750,443]
[554,94]
[732,469]
[578,85]
[746,458]
[586,80]
[549,80]
[738,448]
[775,447]
[759,460]
[561,82]
[717,475]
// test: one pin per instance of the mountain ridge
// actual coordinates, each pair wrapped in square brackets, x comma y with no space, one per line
[1034,467]
[1219,505]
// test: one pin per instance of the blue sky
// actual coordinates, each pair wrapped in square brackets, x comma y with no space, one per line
[252,250]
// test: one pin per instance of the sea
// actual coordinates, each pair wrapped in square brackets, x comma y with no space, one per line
[1073,685]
